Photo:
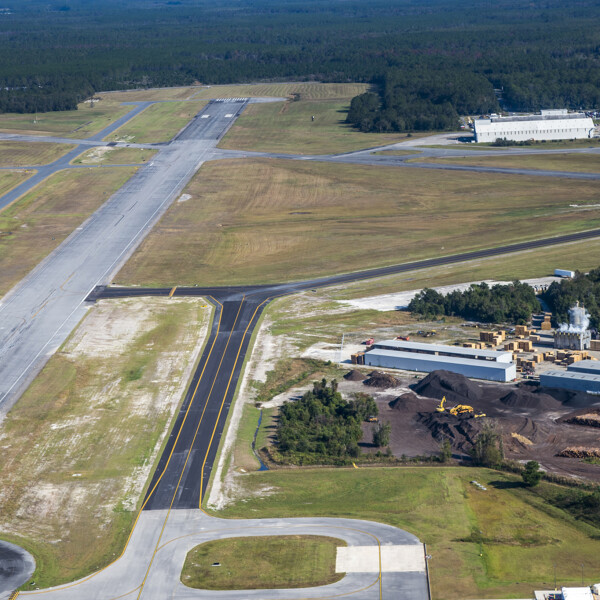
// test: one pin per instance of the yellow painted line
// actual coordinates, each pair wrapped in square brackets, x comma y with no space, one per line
[172,292]
[37,312]
[66,281]
[155,485]
[191,445]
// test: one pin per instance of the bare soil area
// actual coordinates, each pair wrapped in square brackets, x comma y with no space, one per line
[536,423]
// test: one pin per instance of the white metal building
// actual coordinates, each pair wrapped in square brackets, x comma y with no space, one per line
[571,380]
[548,125]
[424,358]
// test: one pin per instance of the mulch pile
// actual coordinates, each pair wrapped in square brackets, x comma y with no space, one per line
[354,375]
[381,380]
[457,388]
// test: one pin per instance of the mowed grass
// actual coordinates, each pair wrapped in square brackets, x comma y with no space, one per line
[34,225]
[170,93]
[9,179]
[25,154]
[584,163]
[582,256]
[495,544]
[109,155]
[80,123]
[288,127]
[157,123]
[306,90]
[80,444]
[252,563]
[258,221]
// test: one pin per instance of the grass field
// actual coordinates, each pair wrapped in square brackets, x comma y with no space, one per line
[290,561]
[9,179]
[305,90]
[173,93]
[265,220]
[586,163]
[108,155]
[81,123]
[25,154]
[81,442]
[287,127]
[33,226]
[158,123]
[582,256]
[495,544]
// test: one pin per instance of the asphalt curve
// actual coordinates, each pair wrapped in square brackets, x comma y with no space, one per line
[183,472]
[16,566]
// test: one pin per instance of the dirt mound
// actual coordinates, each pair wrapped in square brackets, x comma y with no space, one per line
[381,380]
[407,403]
[571,398]
[524,398]
[354,375]
[457,388]
[461,431]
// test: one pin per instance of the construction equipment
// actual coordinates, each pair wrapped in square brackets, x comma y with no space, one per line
[481,415]
[461,409]
[372,419]
[441,408]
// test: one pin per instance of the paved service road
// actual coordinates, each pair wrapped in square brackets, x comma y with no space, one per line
[16,567]
[38,314]
[150,568]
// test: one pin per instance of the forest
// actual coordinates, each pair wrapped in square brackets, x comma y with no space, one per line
[584,289]
[513,303]
[427,62]
[322,427]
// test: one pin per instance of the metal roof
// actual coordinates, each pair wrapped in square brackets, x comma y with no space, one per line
[522,118]
[572,375]
[471,362]
[586,366]
[430,349]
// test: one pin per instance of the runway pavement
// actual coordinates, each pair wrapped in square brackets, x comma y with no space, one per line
[38,314]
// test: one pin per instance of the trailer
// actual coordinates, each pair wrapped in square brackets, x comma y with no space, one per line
[564,273]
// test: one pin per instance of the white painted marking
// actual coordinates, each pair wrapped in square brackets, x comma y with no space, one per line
[205,116]
[228,115]
[394,559]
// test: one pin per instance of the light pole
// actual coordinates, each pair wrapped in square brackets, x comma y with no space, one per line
[555,577]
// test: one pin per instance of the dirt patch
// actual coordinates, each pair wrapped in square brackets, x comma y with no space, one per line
[379,379]
[354,375]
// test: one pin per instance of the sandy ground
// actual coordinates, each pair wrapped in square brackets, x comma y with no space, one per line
[65,491]
[401,300]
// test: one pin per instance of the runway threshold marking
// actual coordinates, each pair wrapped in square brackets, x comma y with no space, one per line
[141,588]
[172,292]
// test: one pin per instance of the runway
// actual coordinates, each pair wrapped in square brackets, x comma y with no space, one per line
[38,313]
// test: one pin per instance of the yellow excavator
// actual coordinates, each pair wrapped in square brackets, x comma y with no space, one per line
[459,409]
[441,408]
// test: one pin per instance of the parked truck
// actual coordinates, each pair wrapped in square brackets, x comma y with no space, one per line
[564,273]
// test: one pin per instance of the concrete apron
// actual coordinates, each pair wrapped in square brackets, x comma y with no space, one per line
[151,565]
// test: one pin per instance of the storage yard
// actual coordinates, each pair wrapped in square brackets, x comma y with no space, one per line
[558,428]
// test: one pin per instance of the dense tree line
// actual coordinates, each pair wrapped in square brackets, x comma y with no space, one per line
[512,303]
[584,289]
[427,62]
[322,426]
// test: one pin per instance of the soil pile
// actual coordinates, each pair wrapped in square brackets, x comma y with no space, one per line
[354,375]
[524,398]
[462,431]
[457,388]
[407,403]
[381,380]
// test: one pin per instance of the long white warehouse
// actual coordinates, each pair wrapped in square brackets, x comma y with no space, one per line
[548,125]
[424,358]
